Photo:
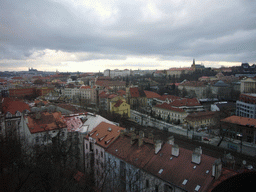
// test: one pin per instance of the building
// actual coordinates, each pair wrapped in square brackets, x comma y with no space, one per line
[22,92]
[248,85]
[188,105]
[44,91]
[136,163]
[11,113]
[241,128]
[119,106]
[201,119]
[117,73]
[136,97]
[246,106]
[42,128]
[95,145]
[169,113]
[194,88]
[150,97]
[177,72]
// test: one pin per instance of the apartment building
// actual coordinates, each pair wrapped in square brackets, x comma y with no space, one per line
[136,163]
[246,105]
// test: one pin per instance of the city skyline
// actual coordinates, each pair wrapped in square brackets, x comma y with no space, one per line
[92,36]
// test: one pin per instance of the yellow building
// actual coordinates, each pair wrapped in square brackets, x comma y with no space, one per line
[118,105]
[201,119]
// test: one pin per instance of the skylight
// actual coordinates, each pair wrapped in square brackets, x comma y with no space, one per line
[194,167]
[160,171]
[207,171]
[184,182]
[197,188]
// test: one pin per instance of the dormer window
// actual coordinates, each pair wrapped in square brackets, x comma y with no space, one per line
[18,113]
[8,115]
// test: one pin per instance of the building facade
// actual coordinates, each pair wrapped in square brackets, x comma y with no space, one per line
[246,106]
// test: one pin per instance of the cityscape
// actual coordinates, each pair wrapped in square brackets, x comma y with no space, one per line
[129,96]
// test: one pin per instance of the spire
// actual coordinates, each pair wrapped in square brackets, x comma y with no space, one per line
[194,62]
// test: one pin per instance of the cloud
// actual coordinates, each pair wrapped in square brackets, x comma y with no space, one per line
[115,30]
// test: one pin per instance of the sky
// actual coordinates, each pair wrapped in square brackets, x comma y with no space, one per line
[94,35]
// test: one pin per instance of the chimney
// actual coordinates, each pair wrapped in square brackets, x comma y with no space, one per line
[196,155]
[216,168]
[141,137]
[133,138]
[175,150]
[158,146]
[171,140]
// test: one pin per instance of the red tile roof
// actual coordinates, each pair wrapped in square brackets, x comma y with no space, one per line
[185,102]
[177,169]
[105,134]
[174,169]
[13,106]
[200,115]
[169,107]
[138,156]
[135,92]
[240,120]
[118,103]
[45,121]
[121,92]
[169,97]
[151,94]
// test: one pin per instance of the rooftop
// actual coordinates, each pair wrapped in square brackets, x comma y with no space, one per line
[45,121]
[244,121]
[105,133]
[12,106]
[169,107]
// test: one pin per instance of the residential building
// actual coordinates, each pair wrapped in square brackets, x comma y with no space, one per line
[136,97]
[177,72]
[95,145]
[113,85]
[248,85]
[119,106]
[22,92]
[188,105]
[117,73]
[166,99]
[169,113]
[246,106]
[201,119]
[150,97]
[42,128]
[136,163]
[194,88]
[241,128]
[11,112]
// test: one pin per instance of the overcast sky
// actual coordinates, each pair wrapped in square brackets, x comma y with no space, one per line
[91,35]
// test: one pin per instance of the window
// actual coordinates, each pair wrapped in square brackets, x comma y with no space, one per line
[156,188]
[147,183]
[86,146]
[160,171]
[184,182]
[96,151]
[197,188]
[101,154]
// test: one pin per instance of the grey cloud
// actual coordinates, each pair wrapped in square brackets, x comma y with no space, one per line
[186,29]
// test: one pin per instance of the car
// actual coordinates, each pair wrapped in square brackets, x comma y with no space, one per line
[206,139]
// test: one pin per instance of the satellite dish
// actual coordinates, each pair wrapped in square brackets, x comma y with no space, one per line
[244,162]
